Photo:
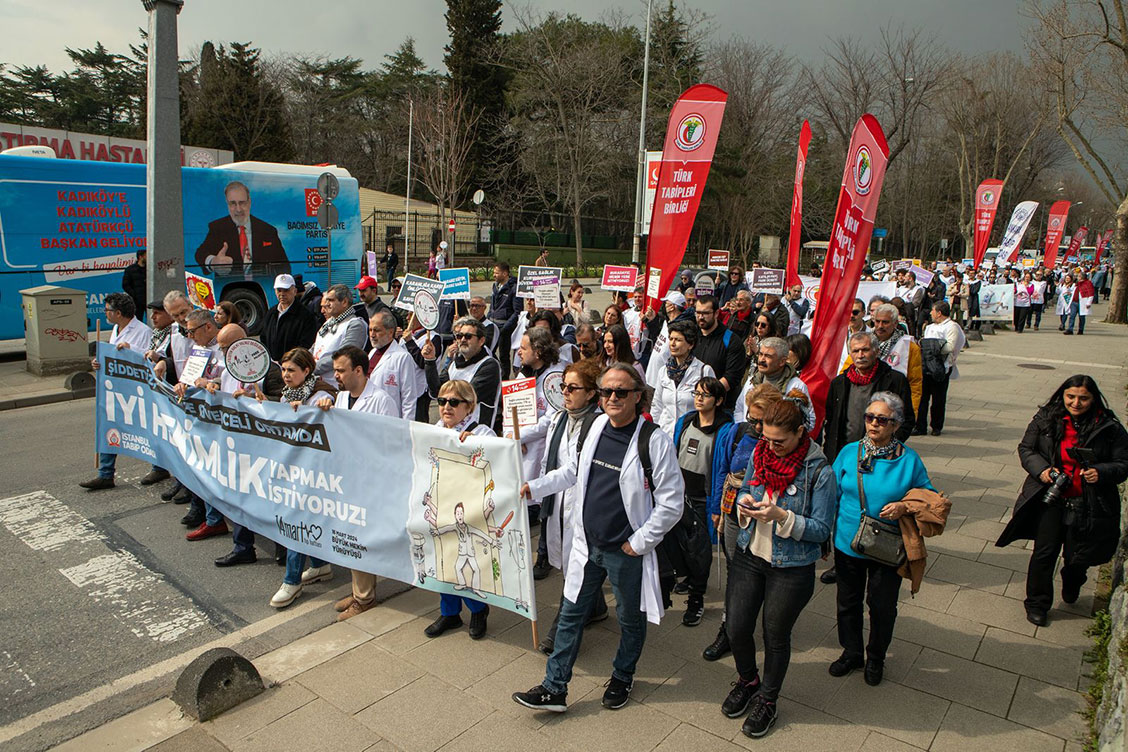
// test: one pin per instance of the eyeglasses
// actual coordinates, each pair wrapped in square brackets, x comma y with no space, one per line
[607,393]
[195,329]
[880,420]
[756,422]
[465,336]
[571,388]
[701,395]
[452,401]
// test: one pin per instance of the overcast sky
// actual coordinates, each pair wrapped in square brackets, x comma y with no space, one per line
[36,31]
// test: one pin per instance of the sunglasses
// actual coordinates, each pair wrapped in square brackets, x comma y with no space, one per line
[606,393]
[452,401]
[858,312]
[761,324]
[774,442]
[571,388]
[880,420]
[465,336]
[756,422]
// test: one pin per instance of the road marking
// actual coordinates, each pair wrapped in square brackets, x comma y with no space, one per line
[1029,359]
[137,597]
[44,523]
[13,679]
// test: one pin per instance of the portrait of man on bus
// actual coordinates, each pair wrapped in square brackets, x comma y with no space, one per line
[241,243]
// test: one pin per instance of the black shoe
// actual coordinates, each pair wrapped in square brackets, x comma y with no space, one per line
[919,432]
[183,496]
[760,719]
[1061,328]
[542,568]
[875,669]
[547,644]
[97,484]
[192,520]
[280,555]
[175,490]
[845,664]
[1071,591]
[742,692]
[443,624]
[1036,617]
[478,624]
[829,577]
[539,698]
[237,557]
[155,476]
[1069,331]
[935,431]
[719,648]
[694,610]
[617,693]
[681,588]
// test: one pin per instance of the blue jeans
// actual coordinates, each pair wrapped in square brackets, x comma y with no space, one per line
[625,573]
[1072,316]
[451,605]
[107,463]
[295,562]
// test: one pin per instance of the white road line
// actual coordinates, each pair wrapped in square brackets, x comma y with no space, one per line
[44,523]
[13,679]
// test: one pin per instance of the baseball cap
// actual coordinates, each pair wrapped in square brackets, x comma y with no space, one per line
[284,282]
[676,298]
[366,282]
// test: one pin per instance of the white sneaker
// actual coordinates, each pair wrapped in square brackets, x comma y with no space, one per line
[285,595]
[317,574]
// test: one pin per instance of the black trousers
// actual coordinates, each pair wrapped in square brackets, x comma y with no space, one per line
[1049,543]
[936,392]
[1021,317]
[700,560]
[879,585]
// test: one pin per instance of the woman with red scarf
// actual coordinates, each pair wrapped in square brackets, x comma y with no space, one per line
[782,515]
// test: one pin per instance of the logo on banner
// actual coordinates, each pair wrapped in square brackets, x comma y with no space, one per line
[113,437]
[302,532]
[988,198]
[863,170]
[691,132]
[313,202]
[1055,222]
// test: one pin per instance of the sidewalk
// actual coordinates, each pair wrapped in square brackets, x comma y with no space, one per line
[965,671]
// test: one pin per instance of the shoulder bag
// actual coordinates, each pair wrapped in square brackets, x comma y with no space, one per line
[876,539]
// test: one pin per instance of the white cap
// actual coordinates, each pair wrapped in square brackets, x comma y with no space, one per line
[284,282]
[675,297]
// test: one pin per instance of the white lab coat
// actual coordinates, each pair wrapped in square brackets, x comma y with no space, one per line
[395,374]
[951,332]
[671,401]
[793,383]
[136,334]
[372,400]
[562,482]
[533,439]
[658,356]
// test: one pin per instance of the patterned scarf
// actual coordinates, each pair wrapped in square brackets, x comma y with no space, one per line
[871,452]
[159,337]
[301,392]
[886,347]
[676,372]
[331,324]
[858,378]
[775,473]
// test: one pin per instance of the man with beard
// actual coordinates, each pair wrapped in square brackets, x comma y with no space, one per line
[469,360]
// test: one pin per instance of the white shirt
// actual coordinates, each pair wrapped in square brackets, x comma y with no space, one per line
[372,400]
[135,334]
[395,374]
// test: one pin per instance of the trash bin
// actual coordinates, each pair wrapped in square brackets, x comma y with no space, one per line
[56,330]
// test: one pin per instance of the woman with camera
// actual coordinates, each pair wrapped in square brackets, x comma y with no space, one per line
[1075,452]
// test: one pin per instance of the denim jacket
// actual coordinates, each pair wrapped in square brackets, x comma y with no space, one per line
[813,498]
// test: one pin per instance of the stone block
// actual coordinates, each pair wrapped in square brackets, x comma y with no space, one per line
[216,681]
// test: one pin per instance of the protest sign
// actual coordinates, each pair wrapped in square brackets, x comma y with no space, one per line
[194,367]
[274,470]
[653,170]
[902,264]
[527,274]
[412,284]
[522,395]
[373,269]
[653,282]
[718,260]
[866,290]
[766,280]
[796,226]
[923,276]
[619,278]
[247,360]
[879,267]
[201,291]
[1059,214]
[704,285]
[456,283]
[546,292]
[1029,263]
[996,302]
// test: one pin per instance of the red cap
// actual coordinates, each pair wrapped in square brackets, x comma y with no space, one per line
[366,282]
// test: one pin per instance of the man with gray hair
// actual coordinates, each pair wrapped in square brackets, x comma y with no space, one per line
[468,359]
[342,327]
[772,368]
[895,347]
[390,365]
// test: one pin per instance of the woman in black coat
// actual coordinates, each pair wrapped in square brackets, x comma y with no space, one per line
[1076,453]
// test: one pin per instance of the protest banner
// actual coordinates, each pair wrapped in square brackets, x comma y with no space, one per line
[687,154]
[986,205]
[923,276]
[527,274]
[796,225]
[1016,228]
[1059,214]
[996,302]
[201,291]
[199,358]
[456,283]
[519,395]
[546,292]
[247,360]
[846,254]
[653,170]
[766,281]
[619,278]
[718,260]
[1102,241]
[275,471]
[866,290]
[1073,253]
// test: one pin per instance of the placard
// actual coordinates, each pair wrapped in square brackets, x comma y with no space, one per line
[456,283]
[546,293]
[247,360]
[526,275]
[902,264]
[880,266]
[653,284]
[996,302]
[201,291]
[412,284]
[373,270]
[923,276]
[426,309]
[520,394]
[704,286]
[718,260]
[766,280]
[195,365]
[619,278]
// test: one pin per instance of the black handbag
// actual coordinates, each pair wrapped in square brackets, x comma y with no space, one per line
[876,539]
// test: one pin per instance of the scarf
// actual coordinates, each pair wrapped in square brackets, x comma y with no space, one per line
[886,347]
[301,392]
[786,374]
[331,324]
[871,452]
[861,379]
[159,337]
[775,473]
[676,372]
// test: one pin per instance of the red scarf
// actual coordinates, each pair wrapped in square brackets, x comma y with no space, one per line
[858,378]
[776,473]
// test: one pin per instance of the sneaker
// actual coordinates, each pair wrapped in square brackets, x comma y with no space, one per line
[682,588]
[539,698]
[343,604]
[317,574]
[719,648]
[875,669]
[845,664]
[478,624]
[738,698]
[285,595]
[617,693]
[355,608]
[207,531]
[97,484]
[542,568]
[155,476]
[694,610]
[760,719]
[443,624]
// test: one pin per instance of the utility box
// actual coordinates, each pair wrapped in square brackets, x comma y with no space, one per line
[769,250]
[56,330]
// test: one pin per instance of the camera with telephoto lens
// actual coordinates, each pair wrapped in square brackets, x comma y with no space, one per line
[1058,483]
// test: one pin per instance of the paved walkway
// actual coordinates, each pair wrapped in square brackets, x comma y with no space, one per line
[966,670]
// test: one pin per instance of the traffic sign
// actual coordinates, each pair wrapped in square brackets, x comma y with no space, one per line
[328,186]
[450,226]
[880,233]
[479,197]
[326,216]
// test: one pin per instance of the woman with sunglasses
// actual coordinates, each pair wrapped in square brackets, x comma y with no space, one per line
[763,327]
[457,401]
[782,515]
[873,474]
[673,393]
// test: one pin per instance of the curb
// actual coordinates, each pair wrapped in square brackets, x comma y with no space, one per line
[63,395]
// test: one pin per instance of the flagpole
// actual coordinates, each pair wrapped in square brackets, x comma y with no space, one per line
[640,168]
[407,198]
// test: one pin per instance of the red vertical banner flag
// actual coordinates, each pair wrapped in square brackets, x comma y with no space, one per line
[1059,213]
[797,206]
[986,205]
[1102,241]
[845,256]
[691,140]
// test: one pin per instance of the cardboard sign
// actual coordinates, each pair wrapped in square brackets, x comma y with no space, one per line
[527,274]
[653,284]
[194,367]
[247,360]
[546,293]
[718,260]
[372,268]
[766,280]
[201,291]
[412,284]
[901,264]
[879,267]
[426,308]
[619,278]
[520,394]
[456,283]
[923,276]
[705,286]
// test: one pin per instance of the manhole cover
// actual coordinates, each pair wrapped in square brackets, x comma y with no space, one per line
[1036,366]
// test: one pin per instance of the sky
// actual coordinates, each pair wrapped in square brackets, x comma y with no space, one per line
[36,32]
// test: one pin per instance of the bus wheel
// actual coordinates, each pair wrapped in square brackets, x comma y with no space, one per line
[251,305]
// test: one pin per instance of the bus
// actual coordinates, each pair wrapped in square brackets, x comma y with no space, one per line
[78,224]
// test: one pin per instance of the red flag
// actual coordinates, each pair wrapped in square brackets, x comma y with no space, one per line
[1059,212]
[1073,253]
[849,240]
[797,206]
[691,139]
[1102,241]
[986,204]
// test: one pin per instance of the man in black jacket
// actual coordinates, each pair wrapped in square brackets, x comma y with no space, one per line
[288,324]
[504,310]
[133,282]
[468,360]
[718,348]
[239,240]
